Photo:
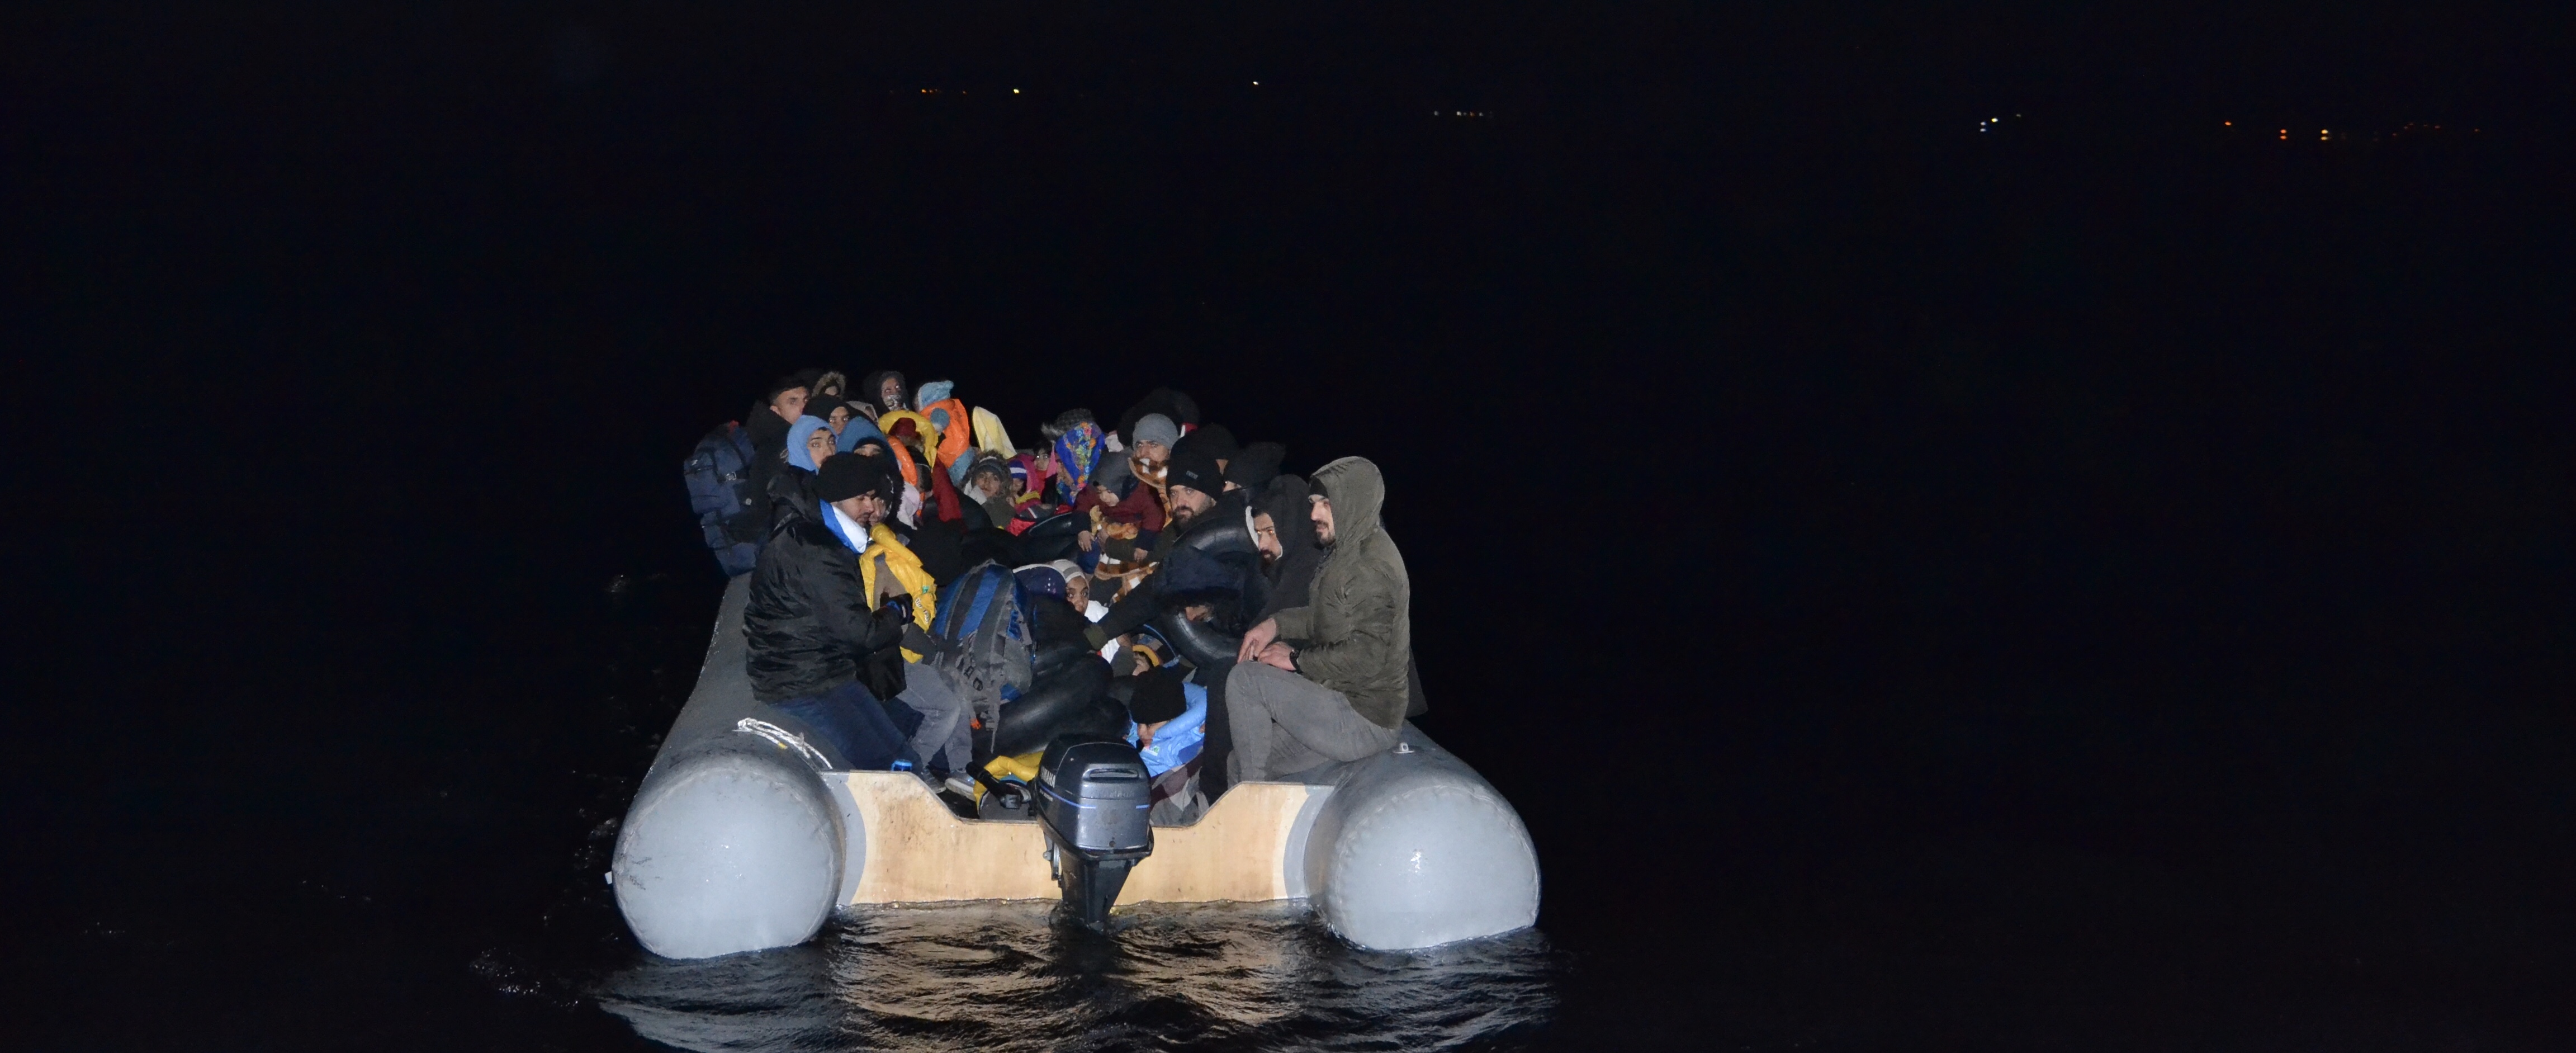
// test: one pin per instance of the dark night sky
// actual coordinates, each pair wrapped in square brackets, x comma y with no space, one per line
[2121,486]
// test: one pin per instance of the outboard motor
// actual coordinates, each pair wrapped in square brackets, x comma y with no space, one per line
[1092,800]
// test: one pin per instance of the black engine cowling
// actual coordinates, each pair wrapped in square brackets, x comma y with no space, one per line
[1092,800]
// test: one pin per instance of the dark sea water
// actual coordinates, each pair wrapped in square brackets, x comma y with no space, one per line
[2102,584]
[1001,976]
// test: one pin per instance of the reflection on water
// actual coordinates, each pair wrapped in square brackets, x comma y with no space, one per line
[1002,976]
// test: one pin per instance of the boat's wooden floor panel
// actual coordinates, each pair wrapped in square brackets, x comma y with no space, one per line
[920,852]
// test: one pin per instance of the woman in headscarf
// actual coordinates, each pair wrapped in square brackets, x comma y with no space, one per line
[1076,441]
[884,392]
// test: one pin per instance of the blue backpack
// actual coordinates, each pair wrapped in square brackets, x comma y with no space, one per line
[720,492]
[982,634]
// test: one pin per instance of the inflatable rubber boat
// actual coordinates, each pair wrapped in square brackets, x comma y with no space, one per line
[743,837]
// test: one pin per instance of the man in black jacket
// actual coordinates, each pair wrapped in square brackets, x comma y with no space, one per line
[821,653]
[767,424]
[1199,503]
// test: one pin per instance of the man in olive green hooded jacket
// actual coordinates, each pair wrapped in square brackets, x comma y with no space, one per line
[1326,681]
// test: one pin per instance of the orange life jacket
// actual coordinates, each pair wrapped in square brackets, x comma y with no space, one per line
[903,458]
[954,437]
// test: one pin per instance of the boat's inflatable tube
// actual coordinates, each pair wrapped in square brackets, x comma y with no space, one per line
[732,843]
[735,843]
[1414,849]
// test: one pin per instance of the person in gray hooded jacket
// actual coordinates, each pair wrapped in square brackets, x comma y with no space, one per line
[1327,681]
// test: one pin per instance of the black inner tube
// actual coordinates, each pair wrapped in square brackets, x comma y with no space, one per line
[1199,642]
[1051,539]
[1074,699]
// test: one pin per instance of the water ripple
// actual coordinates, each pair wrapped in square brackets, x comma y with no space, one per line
[1006,976]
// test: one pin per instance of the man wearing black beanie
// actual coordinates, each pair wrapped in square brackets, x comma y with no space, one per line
[842,478]
[1192,482]
[1215,439]
[834,606]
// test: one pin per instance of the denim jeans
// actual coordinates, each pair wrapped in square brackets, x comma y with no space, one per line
[854,726]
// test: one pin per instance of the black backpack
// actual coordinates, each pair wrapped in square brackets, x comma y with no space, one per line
[723,495]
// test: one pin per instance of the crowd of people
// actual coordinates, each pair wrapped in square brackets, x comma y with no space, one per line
[927,596]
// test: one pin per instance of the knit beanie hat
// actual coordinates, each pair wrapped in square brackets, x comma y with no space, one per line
[1068,568]
[1213,438]
[1254,466]
[1155,427]
[1194,468]
[1158,697]
[843,478]
[933,391]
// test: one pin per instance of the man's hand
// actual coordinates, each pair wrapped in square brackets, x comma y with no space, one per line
[1278,656]
[1256,638]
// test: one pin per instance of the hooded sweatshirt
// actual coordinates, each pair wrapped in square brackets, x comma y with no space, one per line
[802,432]
[1357,624]
[857,431]
[1284,500]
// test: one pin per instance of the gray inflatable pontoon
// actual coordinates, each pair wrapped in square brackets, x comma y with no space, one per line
[743,837]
